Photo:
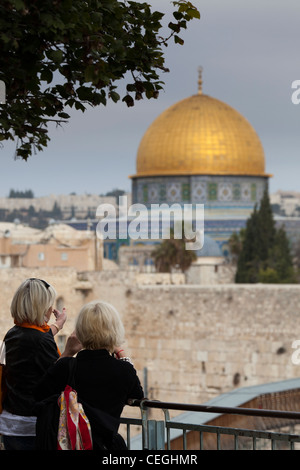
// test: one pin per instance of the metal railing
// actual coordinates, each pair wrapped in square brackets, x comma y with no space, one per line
[157,434]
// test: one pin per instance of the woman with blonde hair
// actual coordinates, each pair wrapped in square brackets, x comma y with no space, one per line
[30,349]
[104,376]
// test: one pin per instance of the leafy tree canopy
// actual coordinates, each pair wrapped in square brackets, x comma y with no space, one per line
[171,254]
[57,54]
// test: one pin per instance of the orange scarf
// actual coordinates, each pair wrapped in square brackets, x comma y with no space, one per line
[43,328]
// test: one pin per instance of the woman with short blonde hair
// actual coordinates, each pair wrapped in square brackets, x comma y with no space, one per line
[30,349]
[32,301]
[104,377]
[99,326]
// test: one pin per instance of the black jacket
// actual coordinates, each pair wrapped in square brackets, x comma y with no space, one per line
[29,353]
[103,385]
[100,380]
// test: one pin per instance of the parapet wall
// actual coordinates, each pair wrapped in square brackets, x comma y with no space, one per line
[193,342]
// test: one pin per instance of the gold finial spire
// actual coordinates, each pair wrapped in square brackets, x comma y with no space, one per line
[200,69]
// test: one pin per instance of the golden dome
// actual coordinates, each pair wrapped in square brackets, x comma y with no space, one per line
[200,135]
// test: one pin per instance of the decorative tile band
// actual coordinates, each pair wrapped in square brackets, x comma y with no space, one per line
[210,190]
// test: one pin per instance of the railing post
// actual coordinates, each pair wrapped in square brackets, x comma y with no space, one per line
[156,435]
[153,432]
[144,413]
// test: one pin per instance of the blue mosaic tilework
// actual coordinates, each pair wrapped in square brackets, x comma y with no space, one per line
[209,190]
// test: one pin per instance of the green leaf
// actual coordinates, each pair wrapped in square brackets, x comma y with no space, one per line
[114,96]
[193,13]
[55,55]
[177,15]
[178,40]
[79,106]
[47,75]
[84,93]
[128,100]
[174,27]
[64,115]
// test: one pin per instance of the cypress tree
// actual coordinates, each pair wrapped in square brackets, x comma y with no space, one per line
[247,266]
[281,258]
[265,255]
[266,230]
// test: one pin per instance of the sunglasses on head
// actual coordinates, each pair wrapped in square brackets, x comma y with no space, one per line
[41,280]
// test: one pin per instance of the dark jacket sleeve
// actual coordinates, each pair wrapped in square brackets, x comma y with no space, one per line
[136,390]
[54,380]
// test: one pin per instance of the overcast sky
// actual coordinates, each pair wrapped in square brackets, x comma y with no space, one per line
[250,54]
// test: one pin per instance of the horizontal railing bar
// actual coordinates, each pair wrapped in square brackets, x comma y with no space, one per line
[133,421]
[234,431]
[214,409]
[218,431]
[224,430]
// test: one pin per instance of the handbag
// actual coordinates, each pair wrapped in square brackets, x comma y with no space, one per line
[61,422]
[74,429]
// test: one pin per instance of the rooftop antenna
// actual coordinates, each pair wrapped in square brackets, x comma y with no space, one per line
[200,70]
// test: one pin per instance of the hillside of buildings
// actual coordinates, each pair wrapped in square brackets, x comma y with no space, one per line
[37,212]
[38,232]
[286,203]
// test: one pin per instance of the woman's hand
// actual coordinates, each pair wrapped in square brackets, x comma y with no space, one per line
[60,317]
[119,352]
[73,346]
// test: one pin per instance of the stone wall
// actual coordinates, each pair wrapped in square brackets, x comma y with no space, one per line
[195,342]
[198,342]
